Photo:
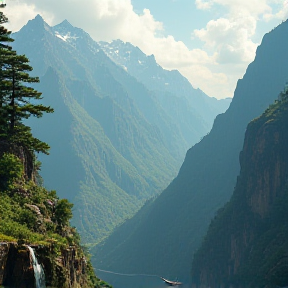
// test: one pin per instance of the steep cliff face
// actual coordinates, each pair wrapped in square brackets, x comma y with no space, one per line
[176,222]
[16,266]
[30,214]
[23,154]
[66,268]
[247,245]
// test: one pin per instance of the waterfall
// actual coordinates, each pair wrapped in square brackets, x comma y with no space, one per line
[38,270]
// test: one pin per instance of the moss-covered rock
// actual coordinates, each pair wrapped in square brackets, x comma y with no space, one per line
[34,216]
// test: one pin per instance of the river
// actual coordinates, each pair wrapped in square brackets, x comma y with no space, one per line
[135,281]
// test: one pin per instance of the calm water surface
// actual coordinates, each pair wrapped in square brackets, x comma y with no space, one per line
[118,281]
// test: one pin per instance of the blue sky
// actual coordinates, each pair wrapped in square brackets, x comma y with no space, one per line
[179,17]
[211,42]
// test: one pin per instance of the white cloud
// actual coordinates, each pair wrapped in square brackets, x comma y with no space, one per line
[213,83]
[227,40]
[203,5]
[115,19]
[282,14]
[17,18]
[230,38]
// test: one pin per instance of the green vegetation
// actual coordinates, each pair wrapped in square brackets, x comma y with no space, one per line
[16,98]
[11,170]
[29,213]
[109,156]
[25,212]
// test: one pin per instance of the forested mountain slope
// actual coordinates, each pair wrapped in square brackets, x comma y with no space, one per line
[246,244]
[163,239]
[113,144]
[103,148]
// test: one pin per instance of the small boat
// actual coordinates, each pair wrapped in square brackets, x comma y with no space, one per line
[171,283]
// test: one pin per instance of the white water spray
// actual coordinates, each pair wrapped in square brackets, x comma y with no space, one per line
[38,270]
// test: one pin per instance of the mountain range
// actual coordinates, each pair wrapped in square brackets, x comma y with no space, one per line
[163,236]
[114,144]
[164,83]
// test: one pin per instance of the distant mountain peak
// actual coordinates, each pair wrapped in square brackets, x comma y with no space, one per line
[36,25]
[38,18]
[118,41]
[38,21]
[65,24]
[66,31]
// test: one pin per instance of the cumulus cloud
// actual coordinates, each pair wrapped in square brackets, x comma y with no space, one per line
[230,38]
[282,14]
[115,19]
[227,40]
[17,18]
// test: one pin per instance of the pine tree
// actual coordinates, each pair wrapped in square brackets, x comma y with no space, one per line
[19,95]
[5,51]
[17,100]
[4,33]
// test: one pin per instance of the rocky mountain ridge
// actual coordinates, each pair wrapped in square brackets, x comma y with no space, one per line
[147,71]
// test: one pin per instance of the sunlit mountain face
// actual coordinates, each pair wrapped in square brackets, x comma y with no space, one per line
[115,142]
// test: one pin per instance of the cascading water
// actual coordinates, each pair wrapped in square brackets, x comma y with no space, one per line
[38,270]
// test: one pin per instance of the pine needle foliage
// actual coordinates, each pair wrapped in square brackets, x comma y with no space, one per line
[18,101]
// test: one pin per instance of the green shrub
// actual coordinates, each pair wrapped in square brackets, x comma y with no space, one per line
[28,218]
[63,212]
[11,170]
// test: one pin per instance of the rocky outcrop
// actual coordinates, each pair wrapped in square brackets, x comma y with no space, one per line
[67,268]
[23,154]
[16,266]
[246,244]
[4,249]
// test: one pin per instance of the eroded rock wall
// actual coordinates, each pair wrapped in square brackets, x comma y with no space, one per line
[65,268]
[246,244]
[16,266]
